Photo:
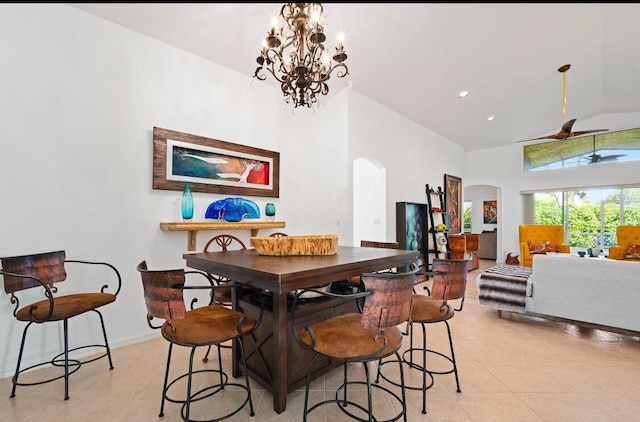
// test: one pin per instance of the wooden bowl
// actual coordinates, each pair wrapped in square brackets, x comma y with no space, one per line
[324,244]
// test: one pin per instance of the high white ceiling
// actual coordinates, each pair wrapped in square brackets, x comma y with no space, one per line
[414,58]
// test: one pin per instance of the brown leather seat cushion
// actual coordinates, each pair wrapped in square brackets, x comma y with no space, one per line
[65,306]
[342,337]
[428,309]
[207,325]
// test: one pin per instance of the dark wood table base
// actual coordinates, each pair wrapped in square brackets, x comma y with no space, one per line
[280,365]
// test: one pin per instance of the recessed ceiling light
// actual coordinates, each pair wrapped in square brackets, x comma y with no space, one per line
[491,118]
[463,94]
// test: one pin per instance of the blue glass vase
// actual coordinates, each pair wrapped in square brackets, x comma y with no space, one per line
[270,211]
[187,203]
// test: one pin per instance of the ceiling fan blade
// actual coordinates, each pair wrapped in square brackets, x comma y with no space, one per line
[566,133]
[555,136]
[567,126]
[584,132]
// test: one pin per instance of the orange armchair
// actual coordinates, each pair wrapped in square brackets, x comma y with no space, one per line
[628,244]
[540,239]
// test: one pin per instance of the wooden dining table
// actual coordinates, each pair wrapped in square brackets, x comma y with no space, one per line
[280,275]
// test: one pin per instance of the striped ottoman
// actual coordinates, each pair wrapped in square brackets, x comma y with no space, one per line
[504,287]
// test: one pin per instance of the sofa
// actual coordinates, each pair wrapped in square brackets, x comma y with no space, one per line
[537,239]
[599,291]
[488,244]
[628,247]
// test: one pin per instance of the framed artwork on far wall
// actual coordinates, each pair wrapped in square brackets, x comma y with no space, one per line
[490,212]
[453,203]
[213,166]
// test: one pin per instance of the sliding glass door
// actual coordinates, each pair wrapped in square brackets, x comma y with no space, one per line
[590,216]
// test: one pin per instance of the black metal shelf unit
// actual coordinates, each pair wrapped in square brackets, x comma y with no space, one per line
[436,209]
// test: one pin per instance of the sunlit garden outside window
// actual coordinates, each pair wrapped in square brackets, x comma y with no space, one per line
[589,216]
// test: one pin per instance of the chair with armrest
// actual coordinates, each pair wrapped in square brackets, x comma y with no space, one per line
[384,302]
[46,271]
[208,325]
[628,247]
[540,239]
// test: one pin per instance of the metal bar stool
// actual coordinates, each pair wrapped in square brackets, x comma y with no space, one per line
[200,326]
[360,337]
[449,284]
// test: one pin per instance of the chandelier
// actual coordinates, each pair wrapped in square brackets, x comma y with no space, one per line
[295,55]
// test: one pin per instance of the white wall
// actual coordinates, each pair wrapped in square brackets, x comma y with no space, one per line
[412,154]
[80,99]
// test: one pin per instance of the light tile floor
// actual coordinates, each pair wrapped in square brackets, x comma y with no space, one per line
[512,369]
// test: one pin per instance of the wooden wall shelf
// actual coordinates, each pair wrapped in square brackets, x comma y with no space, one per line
[194,227]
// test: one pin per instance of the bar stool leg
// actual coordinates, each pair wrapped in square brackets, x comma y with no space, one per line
[65,324]
[453,357]
[15,377]
[166,380]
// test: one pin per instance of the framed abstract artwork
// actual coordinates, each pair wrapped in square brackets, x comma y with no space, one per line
[490,212]
[453,203]
[411,229]
[213,166]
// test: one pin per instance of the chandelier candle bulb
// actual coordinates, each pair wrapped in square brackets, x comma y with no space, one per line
[340,41]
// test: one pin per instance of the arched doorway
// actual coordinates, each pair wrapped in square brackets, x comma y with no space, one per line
[477,195]
[369,200]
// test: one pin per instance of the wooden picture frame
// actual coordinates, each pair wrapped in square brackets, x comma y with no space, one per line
[490,212]
[453,203]
[213,166]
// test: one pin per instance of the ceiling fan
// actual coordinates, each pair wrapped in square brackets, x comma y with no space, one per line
[566,131]
[598,158]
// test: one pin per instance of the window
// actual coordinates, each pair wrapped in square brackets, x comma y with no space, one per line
[623,145]
[590,216]
[467,216]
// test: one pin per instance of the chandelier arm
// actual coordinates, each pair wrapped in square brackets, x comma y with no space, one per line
[270,68]
[340,74]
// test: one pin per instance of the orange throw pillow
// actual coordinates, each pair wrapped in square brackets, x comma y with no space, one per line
[633,252]
[535,247]
[550,246]
[542,247]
